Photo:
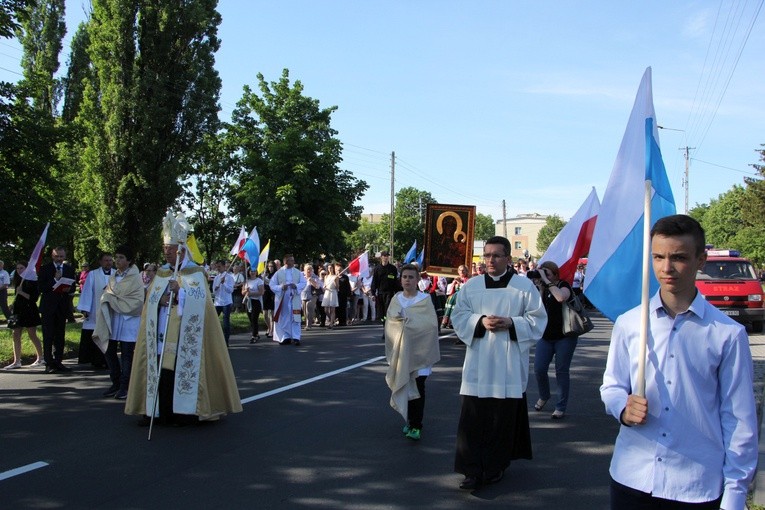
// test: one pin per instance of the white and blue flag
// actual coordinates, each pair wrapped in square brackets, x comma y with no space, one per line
[411,254]
[614,266]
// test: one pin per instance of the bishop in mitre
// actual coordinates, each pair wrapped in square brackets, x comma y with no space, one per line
[196,380]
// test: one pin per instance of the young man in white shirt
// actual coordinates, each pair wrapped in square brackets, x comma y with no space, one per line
[223,288]
[691,441]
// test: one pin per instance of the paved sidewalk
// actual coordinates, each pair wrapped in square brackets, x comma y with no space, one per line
[757,344]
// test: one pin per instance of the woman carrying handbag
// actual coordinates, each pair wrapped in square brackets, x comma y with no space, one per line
[554,293]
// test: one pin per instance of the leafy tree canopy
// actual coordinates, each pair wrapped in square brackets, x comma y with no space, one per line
[553,225]
[408,222]
[289,183]
[484,227]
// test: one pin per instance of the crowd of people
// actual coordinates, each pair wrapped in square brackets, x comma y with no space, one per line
[688,439]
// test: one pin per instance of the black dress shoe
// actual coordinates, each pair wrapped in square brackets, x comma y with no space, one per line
[495,477]
[470,483]
[296,342]
[51,369]
[62,368]
[286,341]
[111,391]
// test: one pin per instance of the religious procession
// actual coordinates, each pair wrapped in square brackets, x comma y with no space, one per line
[150,357]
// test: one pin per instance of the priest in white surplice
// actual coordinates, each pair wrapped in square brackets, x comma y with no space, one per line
[499,316]
[287,284]
[90,298]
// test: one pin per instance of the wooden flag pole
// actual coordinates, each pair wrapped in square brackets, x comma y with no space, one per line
[645,291]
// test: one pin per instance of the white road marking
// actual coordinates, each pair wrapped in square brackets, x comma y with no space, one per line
[309,381]
[21,470]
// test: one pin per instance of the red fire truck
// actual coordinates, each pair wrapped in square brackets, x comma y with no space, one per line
[730,283]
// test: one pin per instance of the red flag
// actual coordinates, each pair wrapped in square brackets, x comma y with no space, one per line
[33,267]
[239,243]
[574,240]
[359,265]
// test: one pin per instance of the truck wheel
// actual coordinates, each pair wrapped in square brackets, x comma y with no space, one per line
[757,327]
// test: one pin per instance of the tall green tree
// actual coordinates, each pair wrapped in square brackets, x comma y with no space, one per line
[290,184]
[79,69]
[151,100]
[368,236]
[74,138]
[553,225]
[484,227]
[408,221]
[12,14]
[41,35]
[723,219]
[28,177]
[28,194]
[752,237]
[205,196]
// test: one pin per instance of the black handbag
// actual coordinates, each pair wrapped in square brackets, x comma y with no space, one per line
[13,321]
[576,322]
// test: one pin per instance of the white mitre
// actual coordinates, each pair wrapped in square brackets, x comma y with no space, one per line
[175,230]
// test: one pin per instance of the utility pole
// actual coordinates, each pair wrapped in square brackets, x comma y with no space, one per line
[392,197]
[687,168]
[504,220]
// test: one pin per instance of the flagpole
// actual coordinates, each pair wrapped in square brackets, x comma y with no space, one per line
[233,261]
[645,291]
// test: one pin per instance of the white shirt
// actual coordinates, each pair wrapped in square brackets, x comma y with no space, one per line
[223,287]
[90,295]
[700,399]
[5,279]
[307,293]
[367,283]
[124,327]
[253,285]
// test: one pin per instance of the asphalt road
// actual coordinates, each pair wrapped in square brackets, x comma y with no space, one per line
[316,432]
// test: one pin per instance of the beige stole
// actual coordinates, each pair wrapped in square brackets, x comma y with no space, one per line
[151,324]
[182,352]
[125,297]
[189,346]
[411,343]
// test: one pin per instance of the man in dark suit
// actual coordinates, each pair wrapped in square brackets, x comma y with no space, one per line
[343,293]
[54,308]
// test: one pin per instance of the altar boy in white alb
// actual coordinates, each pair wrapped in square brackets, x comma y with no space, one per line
[287,284]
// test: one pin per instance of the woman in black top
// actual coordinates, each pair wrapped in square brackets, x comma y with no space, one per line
[268,299]
[25,308]
[554,293]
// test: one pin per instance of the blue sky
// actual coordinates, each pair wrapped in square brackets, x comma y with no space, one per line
[526,102]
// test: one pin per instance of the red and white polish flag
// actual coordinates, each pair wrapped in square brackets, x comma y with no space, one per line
[573,242]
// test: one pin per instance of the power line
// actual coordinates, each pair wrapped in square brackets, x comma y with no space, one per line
[717,75]
[12,72]
[733,70]
[725,167]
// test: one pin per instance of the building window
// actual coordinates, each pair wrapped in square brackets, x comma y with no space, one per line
[518,245]
[517,231]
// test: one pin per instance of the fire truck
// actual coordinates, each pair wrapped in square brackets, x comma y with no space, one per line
[730,283]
